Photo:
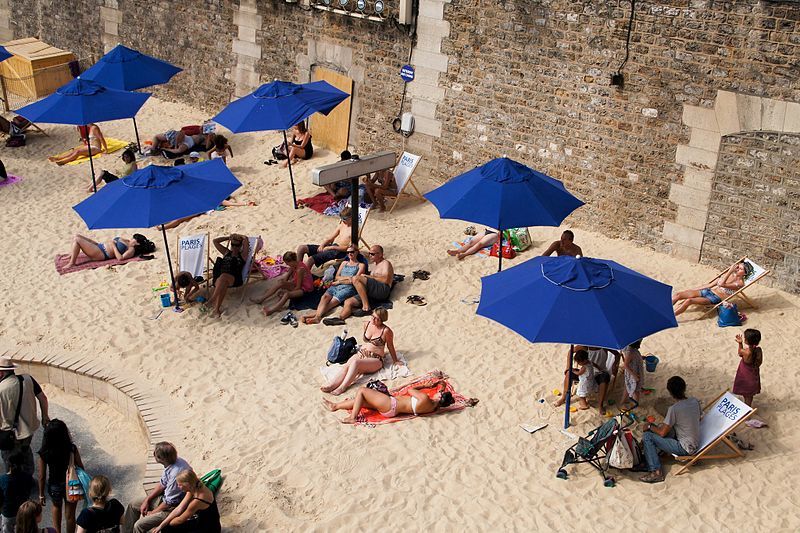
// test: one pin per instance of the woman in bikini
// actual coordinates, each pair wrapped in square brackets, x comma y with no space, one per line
[92,138]
[116,248]
[228,269]
[719,289]
[415,402]
[197,512]
[369,359]
[300,146]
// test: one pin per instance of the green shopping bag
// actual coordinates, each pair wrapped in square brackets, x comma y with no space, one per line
[213,480]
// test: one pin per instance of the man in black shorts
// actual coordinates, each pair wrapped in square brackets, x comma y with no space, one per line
[606,365]
[334,247]
[372,288]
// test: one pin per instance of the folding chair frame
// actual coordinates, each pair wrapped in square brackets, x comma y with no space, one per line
[408,182]
[255,249]
[739,293]
[722,439]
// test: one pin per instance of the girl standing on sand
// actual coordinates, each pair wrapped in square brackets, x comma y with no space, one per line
[747,382]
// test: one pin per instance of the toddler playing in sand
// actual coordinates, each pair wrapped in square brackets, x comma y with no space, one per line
[632,363]
[586,382]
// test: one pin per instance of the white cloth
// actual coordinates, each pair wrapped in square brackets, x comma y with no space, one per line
[192,254]
[603,359]
[586,383]
[388,372]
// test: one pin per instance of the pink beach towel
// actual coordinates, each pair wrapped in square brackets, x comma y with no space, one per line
[11,179]
[84,263]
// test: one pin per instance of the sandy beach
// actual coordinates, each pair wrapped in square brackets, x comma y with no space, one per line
[250,386]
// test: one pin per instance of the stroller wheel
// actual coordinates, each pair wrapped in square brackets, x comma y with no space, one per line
[609,482]
[561,474]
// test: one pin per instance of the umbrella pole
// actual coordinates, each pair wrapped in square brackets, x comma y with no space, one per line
[136,130]
[91,162]
[289,162]
[171,273]
[500,253]
[568,392]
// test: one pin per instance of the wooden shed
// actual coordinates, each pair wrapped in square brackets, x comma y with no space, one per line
[36,68]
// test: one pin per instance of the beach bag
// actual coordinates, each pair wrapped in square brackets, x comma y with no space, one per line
[508,249]
[75,492]
[192,130]
[15,141]
[728,315]
[279,152]
[341,350]
[8,437]
[620,456]
[86,480]
[378,385]
[213,480]
[520,239]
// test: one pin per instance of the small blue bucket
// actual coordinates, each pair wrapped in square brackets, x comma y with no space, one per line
[165,300]
[650,363]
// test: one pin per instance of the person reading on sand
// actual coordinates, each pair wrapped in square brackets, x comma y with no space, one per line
[185,282]
[606,365]
[333,247]
[380,185]
[477,244]
[716,291]
[93,138]
[564,246]
[370,288]
[415,402]
[342,287]
[369,359]
[116,248]
[298,282]
[227,271]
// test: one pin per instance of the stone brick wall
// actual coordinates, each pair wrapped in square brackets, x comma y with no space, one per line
[755,205]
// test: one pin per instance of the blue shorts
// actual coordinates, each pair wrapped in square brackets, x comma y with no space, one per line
[709,295]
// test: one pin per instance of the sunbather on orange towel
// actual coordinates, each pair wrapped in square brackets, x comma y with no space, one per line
[415,402]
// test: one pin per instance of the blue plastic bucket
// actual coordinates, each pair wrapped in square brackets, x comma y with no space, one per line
[650,363]
[165,301]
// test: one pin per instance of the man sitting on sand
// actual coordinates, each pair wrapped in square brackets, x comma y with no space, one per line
[606,364]
[333,247]
[679,434]
[371,288]
[564,246]
[342,188]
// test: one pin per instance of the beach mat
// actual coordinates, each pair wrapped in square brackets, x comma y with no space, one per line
[483,252]
[388,372]
[11,179]
[114,145]
[370,417]
[63,259]
[319,202]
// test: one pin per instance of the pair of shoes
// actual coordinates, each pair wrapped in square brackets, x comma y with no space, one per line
[333,321]
[470,231]
[415,299]
[361,312]
[653,477]
[424,275]
[289,318]
[270,162]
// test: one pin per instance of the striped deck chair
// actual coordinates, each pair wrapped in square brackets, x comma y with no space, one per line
[754,275]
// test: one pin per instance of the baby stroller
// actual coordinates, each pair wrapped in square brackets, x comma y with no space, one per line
[598,447]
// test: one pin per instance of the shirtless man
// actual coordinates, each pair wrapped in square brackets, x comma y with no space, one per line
[373,287]
[334,247]
[564,246]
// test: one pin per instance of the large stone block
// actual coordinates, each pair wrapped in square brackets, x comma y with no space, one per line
[688,197]
[692,218]
[792,120]
[428,126]
[704,139]
[773,114]
[246,49]
[749,112]
[727,112]
[702,159]
[684,235]
[700,117]
[248,19]
[247,34]
[431,9]
[688,253]
[430,60]
[433,27]
[423,108]
[113,15]
[698,179]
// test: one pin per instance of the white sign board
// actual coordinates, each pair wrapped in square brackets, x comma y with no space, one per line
[720,417]
[192,254]
[404,168]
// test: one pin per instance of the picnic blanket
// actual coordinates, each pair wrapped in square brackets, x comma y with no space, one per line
[63,259]
[389,371]
[114,145]
[11,179]
[318,202]
[370,417]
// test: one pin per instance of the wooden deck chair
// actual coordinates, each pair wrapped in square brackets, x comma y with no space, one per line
[363,215]
[405,167]
[721,417]
[256,243]
[753,278]
[22,126]
[194,255]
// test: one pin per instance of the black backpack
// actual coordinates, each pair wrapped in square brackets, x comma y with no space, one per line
[341,350]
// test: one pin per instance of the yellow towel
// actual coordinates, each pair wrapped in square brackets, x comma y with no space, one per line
[114,145]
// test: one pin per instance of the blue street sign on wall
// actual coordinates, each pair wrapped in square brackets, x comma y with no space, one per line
[407,73]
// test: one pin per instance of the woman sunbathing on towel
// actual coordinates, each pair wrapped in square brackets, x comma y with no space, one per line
[369,359]
[477,244]
[719,289]
[116,248]
[415,402]
[94,140]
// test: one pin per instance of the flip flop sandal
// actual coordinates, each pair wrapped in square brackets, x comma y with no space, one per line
[423,275]
[416,300]
[333,321]
[470,230]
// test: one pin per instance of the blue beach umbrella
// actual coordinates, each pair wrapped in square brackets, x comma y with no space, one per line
[594,302]
[156,195]
[125,69]
[4,54]
[279,105]
[504,194]
[82,102]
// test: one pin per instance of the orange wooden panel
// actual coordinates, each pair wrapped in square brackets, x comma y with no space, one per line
[333,131]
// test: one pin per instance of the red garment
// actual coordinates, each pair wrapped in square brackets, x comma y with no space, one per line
[319,202]
[747,381]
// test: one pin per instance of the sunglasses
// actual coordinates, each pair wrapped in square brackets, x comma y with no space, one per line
[373,253]
[352,252]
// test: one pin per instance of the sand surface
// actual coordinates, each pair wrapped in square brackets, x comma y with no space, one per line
[250,385]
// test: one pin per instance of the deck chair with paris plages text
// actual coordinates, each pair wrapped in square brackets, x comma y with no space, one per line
[720,419]
[194,255]
[754,274]
[403,170]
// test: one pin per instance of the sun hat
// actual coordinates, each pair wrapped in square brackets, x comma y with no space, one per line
[195,155]
[7,364]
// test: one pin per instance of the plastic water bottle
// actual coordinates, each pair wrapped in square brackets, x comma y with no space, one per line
[344,334]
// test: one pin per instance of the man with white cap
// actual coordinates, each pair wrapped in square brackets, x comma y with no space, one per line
[194,157]
[20,392]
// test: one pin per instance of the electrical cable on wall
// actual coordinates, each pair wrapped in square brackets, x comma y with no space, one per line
[617,78]
[397,121]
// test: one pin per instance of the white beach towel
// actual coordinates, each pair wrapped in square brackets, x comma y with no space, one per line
[388,372]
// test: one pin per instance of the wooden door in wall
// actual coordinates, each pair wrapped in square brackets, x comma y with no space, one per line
[332,132]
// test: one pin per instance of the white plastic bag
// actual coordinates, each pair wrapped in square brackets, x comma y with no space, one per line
[621,456]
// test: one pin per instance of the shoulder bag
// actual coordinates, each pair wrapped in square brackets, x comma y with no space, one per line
[8,437]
